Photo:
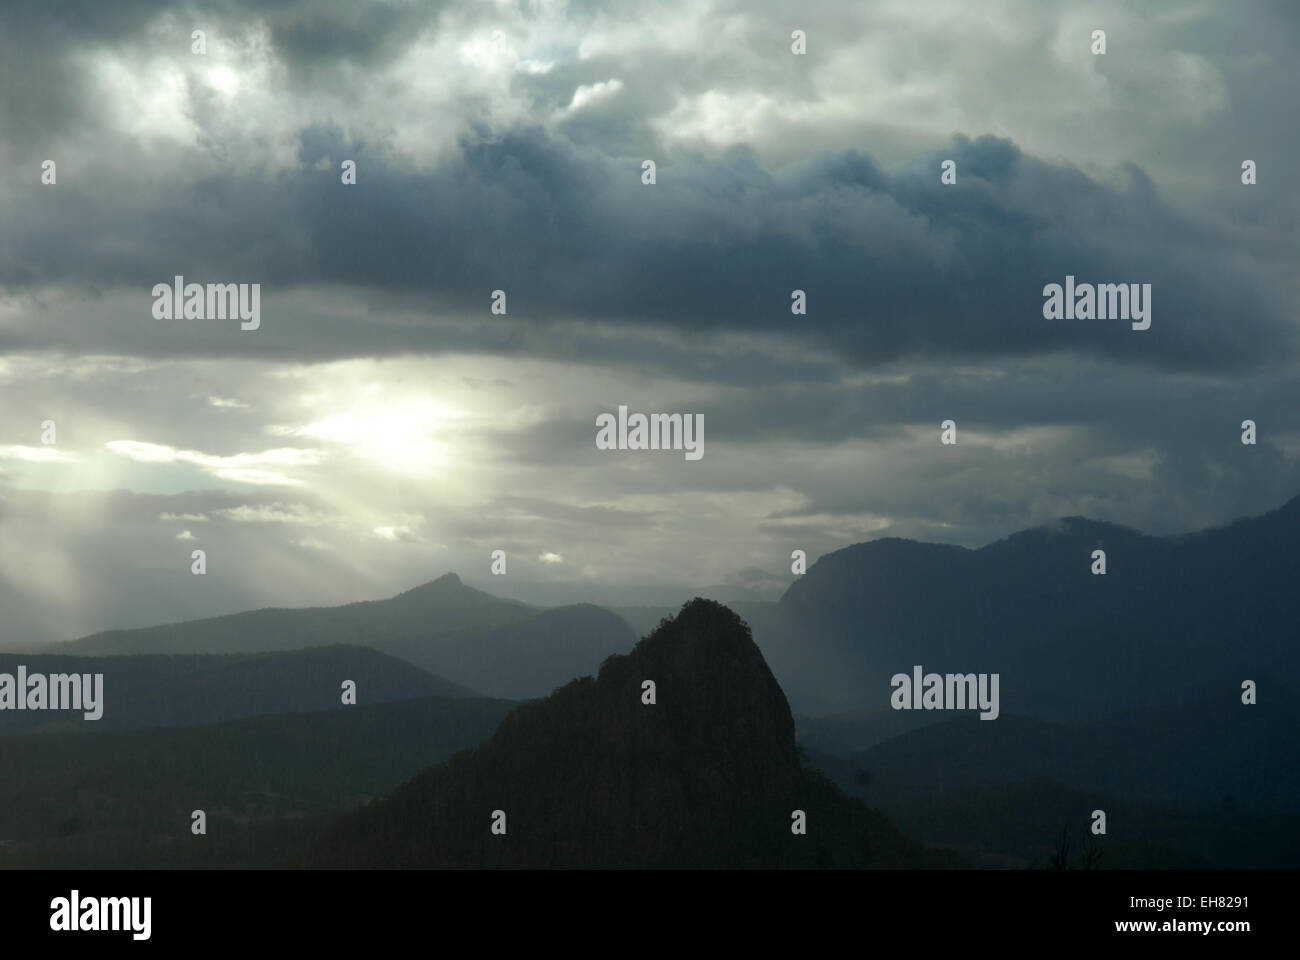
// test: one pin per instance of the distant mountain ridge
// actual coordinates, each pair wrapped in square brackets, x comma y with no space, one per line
[1170,619]
[1170,616]
[497,647]
[444,605]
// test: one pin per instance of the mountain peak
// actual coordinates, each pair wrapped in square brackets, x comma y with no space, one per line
[1289,509]
[706,659]
[448,582]
[597,775]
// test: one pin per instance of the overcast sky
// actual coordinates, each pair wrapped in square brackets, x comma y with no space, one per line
[382,427]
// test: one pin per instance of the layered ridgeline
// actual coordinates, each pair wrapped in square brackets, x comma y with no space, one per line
[594,775]
[1170,621]
[497,647]
[444,605]
[153,690]
[1145,664]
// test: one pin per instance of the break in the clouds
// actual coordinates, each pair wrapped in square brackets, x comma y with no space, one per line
[382,426]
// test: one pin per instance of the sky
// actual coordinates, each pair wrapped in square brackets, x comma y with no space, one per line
[382,426]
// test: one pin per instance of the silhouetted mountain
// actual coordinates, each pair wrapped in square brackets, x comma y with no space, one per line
[442,606]
[466,635]
[121,799]
[707,776]
[525,658]
[164,691]
[1172,618]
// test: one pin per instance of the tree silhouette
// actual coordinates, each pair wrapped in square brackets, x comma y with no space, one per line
[1061,858]
[1090,860]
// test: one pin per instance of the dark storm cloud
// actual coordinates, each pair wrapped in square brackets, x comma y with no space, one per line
[1070,439]
[46,93]
[552,210]
[893,265]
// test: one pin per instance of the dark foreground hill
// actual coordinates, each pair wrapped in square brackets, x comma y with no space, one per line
[266,784]
[1191,757]
[1023,824]
[708,775]
[1212,783]
[166,691]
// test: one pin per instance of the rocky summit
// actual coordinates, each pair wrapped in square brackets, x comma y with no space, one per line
[679,753]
